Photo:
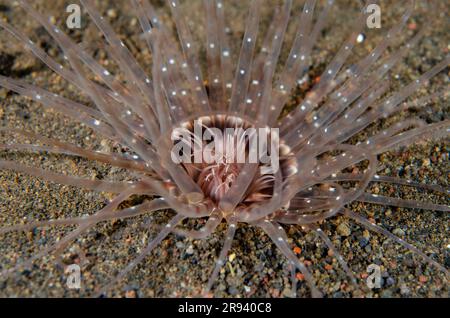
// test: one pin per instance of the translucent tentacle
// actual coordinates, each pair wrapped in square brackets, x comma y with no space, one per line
[59,69]
[377,229]
[132,140]
[188,47]
[318,231]
[55,146]
[278,237]
[77,111]
[176,202]
[391,104]
[231,199]
[162,109]
[402,203]
[213,53]
[313,210]
[436,130]
[368,61]
[147,250]
[243,70]
[147,207]
[260,102]
[387,179]
[66,240]
[213,222]
[227,68]
[297,62]
[443,93]
[267,106]
[96,185]
[255,90]
[262,210]
[340,100]
[335,128]
[129,95]
[179,74]
[229,236]
[326,82]
[395,129]
[128,64]
[294,281]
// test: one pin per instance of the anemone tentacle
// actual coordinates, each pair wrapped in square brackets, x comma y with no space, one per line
[144,113]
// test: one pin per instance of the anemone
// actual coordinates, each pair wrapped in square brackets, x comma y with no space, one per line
[143,112]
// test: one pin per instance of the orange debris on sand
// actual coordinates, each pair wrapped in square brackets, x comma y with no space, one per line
[297,250]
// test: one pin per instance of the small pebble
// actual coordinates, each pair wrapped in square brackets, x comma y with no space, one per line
[423,279]
[130,294]
[338,295]
[398,232]
[412,26]
[426,162]
[386,294]
[233,290]
[112,13]
[390,281]
[404,290]
[190,250]
[179,245]
[343,229]
[363,242]
[366,234]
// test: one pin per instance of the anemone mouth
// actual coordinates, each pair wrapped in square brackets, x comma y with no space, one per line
[214,150]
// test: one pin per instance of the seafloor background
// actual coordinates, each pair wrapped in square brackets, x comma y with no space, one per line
[180,267]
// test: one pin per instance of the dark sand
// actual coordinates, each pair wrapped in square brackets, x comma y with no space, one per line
[181,267]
